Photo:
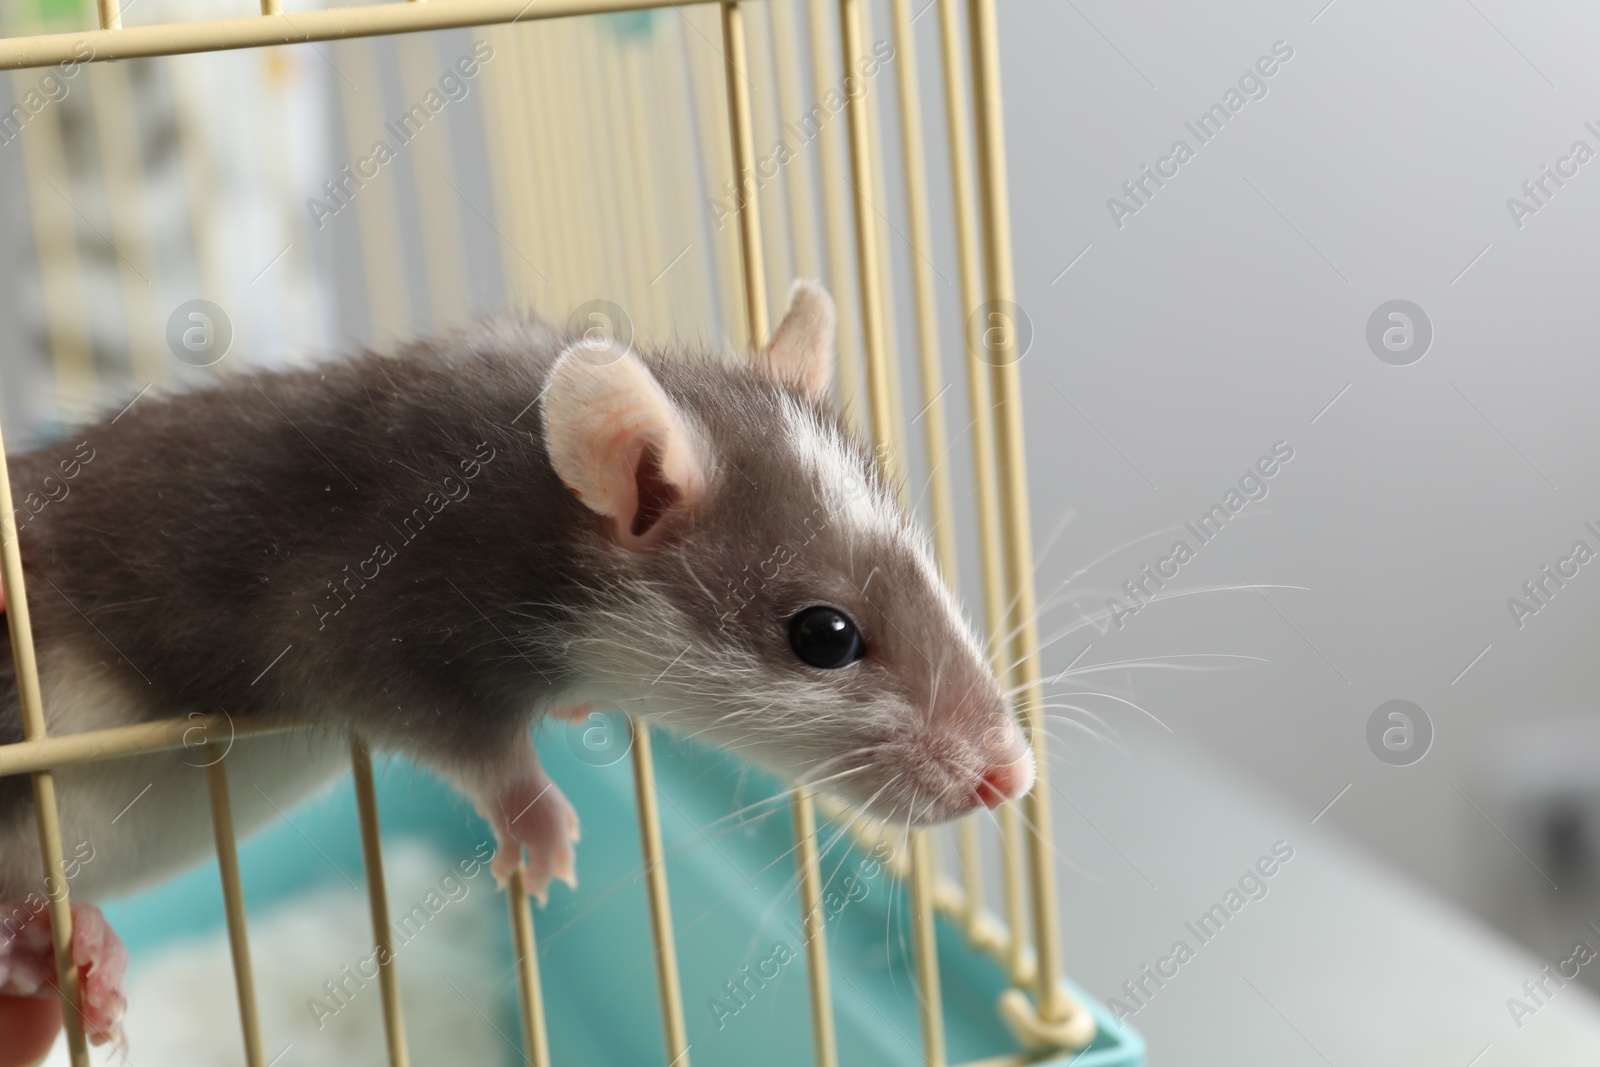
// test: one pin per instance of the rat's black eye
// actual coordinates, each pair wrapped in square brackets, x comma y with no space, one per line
[826,638]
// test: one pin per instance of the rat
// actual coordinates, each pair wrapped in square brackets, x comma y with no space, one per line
[440,547]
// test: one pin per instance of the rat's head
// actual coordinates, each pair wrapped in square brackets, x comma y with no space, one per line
[758,584]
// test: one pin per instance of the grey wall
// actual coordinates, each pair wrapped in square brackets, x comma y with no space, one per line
[1231,309]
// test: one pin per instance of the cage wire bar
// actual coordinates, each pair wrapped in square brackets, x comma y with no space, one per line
[233,902]
[1026,942]
[980,933]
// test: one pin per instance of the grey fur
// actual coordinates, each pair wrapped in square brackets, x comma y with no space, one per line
[207,533]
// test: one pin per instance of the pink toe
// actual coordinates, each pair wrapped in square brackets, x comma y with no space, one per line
[27,963]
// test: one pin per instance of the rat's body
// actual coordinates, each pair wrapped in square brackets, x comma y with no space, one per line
[434,549]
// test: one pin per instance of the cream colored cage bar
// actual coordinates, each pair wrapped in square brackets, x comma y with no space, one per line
[528,104]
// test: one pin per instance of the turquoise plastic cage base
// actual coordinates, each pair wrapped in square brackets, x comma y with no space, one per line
[733,901]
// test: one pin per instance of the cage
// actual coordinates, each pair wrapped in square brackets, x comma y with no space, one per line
[612,171]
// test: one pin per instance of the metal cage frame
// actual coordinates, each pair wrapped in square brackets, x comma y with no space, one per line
[1039,1010]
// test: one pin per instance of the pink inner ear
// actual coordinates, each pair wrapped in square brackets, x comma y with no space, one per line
[639,488]
[617,441]
[801,351]
[656,494]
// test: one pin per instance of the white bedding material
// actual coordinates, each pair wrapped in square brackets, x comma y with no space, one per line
[183,1011]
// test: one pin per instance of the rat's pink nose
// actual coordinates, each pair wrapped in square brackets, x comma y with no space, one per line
[1004,781]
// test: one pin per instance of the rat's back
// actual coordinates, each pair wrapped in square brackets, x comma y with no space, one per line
[179,552]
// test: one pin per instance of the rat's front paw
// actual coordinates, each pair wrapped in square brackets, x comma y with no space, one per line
[28,963]
[529,812]
[545,824]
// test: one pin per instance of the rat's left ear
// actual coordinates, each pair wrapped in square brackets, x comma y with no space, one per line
[801,351]
[619,443]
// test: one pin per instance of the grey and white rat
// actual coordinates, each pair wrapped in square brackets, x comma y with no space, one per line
[438,547]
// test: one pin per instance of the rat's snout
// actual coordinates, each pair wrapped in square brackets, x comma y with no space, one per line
[1005,781]
[934,772]
[1009,772]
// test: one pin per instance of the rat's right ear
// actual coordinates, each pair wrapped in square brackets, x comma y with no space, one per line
[801,349]
[619,443]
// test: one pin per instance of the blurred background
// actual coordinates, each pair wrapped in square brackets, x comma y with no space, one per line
[1337,345]
[1403,153]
